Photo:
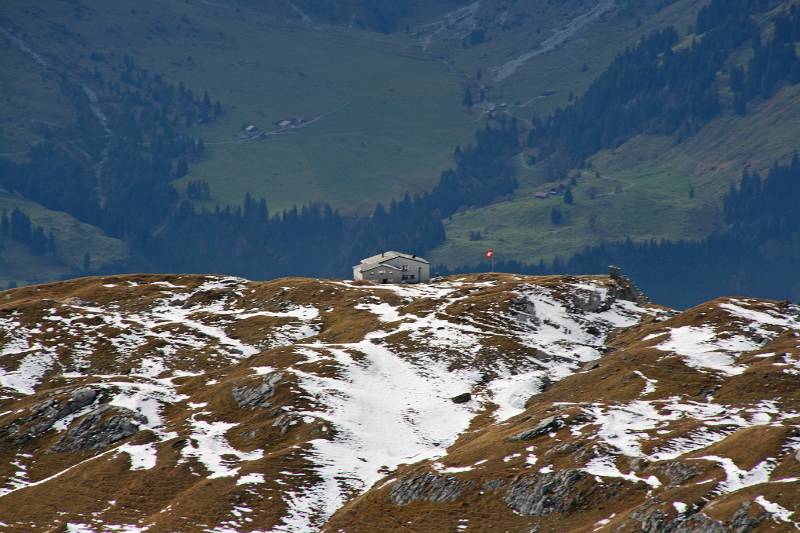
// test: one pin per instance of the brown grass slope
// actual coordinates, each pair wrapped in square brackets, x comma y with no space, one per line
[229,387]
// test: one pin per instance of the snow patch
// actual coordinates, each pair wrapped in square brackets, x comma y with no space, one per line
[777,511]
[251,479]
[703,349]
[209,446]
[143,456]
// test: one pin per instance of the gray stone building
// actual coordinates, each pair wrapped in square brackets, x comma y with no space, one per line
[393,267]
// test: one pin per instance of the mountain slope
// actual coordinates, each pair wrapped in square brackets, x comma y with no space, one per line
[682,182]
[190,402]
[349,117]
[73,239]
[380,118]
[635,161]
[691,423]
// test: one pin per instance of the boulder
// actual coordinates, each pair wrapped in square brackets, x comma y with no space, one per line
[548,425]
[258,394]
[462,398]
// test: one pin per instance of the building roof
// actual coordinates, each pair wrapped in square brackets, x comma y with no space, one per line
[373,266]
[386,256]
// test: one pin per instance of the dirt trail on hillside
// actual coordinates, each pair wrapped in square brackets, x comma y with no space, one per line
[558,38]
[27,49]
[460,19]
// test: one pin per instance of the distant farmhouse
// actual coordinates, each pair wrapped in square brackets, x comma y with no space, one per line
[250,131]
[393,267]
[293,122]
[555,191]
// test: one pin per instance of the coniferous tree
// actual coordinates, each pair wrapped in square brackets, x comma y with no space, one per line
[51,242]
[467,101]
[38,241]
[568,199]
[20,226]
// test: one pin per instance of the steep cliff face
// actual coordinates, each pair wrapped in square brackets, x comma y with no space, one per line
[487,402]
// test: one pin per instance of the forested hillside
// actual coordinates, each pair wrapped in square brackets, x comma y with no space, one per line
[759,251]
[734,65]
[174,167]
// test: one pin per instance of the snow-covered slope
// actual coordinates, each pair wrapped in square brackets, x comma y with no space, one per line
[207,403]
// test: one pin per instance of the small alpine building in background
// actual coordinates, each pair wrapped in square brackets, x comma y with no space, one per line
[393,267]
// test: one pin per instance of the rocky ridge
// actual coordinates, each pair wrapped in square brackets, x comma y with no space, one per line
[484,402]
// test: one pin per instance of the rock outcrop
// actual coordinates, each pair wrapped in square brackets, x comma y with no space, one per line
[547,425]
[427,487]
[44,415]
[99,429]
[544,494]
[258,394]
[652,519]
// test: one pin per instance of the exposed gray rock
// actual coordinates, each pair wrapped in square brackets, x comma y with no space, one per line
[742,521]
[590,302]
[652,519]
[620,288]
[678,473]
[523,306]
[257,394]
[591,365]
[283,422]
[100,428]
[45,414]
[543,494]
[564,448]
[584,454]
[624,288]
[493,485]
[427,487]
[696,523]
[462,398]
[648,520]
[549,424]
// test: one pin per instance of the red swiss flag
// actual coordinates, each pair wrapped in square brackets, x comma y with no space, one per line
[489,254]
